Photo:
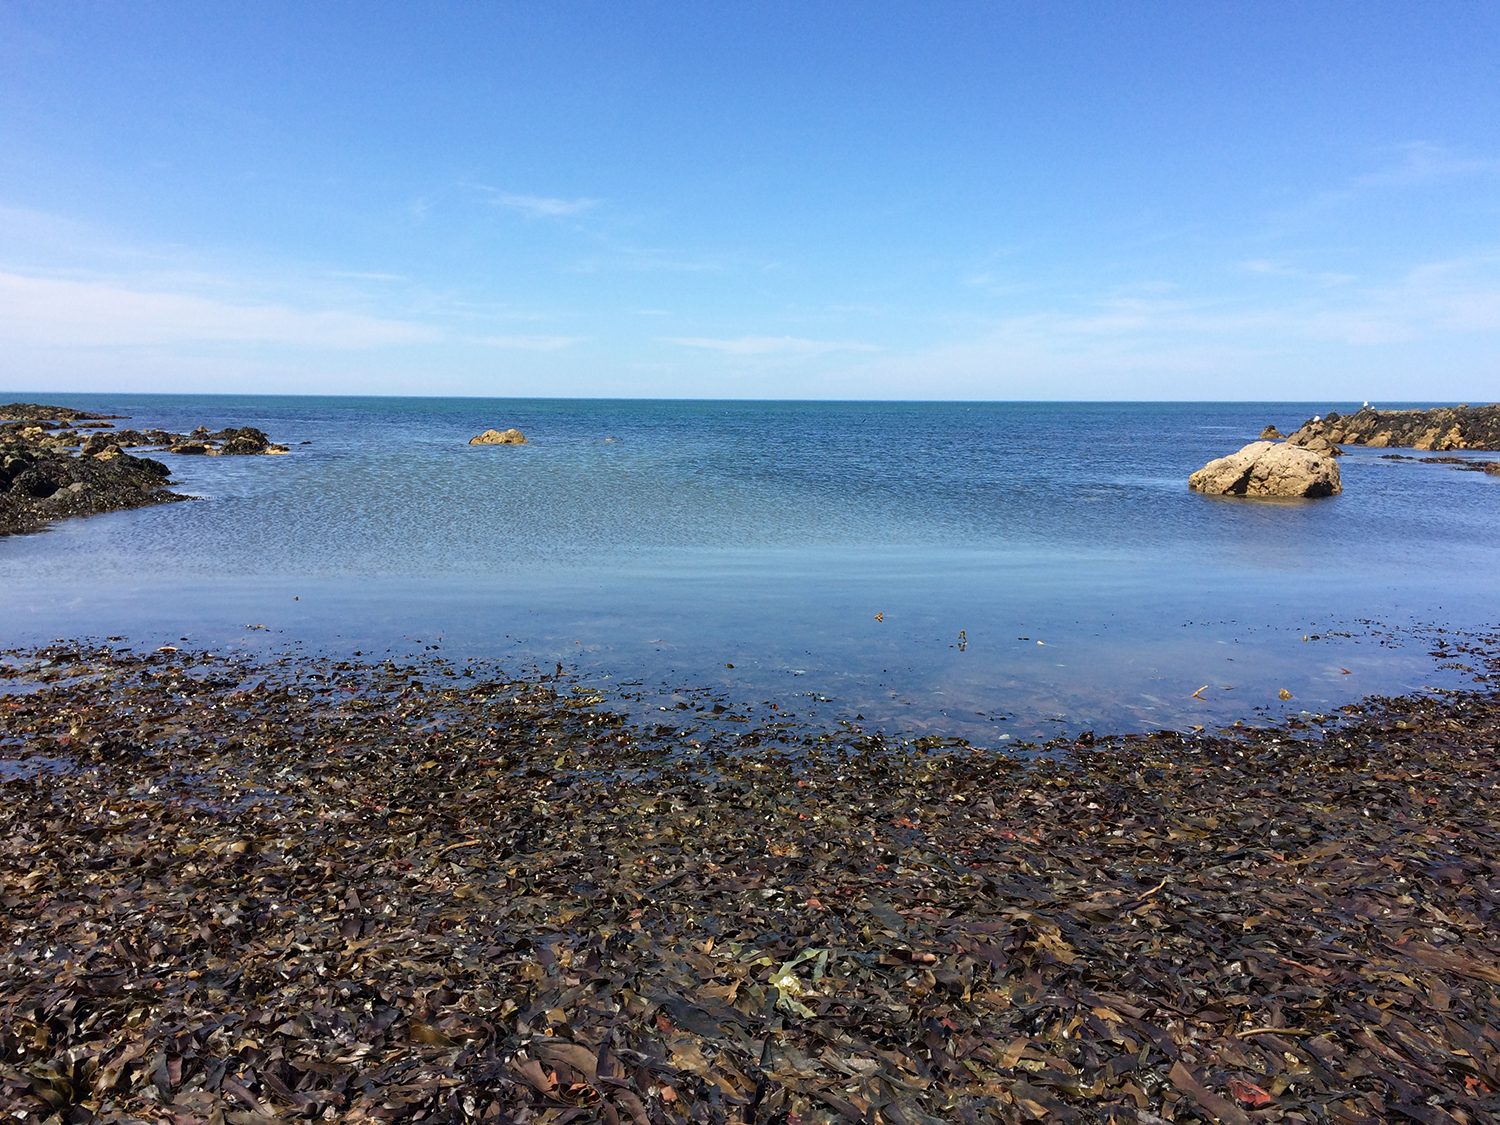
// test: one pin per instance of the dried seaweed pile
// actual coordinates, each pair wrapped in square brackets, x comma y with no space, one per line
[252,893]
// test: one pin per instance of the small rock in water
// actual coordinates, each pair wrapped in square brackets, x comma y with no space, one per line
[1270,433]
[496,437]
[245,440]
[1265,469]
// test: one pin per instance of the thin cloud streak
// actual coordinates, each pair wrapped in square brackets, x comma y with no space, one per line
[1421,165]
[1366,338]
[540,207]
[528,343]
[770,345]
[48,312]
[1425,163]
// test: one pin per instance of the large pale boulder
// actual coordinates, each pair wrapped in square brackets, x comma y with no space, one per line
[495,437]
[1269,469]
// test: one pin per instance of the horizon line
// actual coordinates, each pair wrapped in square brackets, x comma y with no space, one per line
[1391,403]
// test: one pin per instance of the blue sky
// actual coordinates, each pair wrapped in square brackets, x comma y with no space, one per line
[952,200]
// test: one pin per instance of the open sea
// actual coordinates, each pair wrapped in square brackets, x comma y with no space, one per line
[995,571]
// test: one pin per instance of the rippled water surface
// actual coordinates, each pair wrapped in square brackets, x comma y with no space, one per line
[990,570]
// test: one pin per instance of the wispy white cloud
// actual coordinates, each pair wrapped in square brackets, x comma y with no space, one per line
[1422,163]
[771,345]
[1265,266]
[52,312]
[539,206]
[528,343]
[1440,320]
[357,275]
[647,259]
[1435,299]
[1416,166]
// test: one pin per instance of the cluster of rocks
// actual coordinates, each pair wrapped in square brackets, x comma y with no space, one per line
[58,428]
[1302,465]
[498,437]
[241,441]
[57,463]
[1440,430]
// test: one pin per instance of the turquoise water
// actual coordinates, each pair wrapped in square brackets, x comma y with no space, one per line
[652,544]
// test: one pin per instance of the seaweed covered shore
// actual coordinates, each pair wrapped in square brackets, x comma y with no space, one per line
[249,891]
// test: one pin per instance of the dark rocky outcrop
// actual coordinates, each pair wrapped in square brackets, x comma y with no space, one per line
[20,411]
[245,440]
[1269,470]
[43,479]
[59,428]
[39,486]
[1441,430]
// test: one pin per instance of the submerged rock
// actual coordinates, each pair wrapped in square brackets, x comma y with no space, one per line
[496,437]
[1266,469]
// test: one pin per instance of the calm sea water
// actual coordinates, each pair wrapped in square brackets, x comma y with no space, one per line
[996,570]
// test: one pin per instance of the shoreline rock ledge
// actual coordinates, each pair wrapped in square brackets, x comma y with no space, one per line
[495,437]
[1269,470]
[1440,430]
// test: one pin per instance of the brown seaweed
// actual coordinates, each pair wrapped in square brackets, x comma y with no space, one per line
[250,892]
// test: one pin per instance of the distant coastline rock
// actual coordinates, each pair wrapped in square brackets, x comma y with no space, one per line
[1441,430]
[1270,433]
[31,411]
[60,428]
[1269,470]
[496,437]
